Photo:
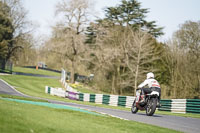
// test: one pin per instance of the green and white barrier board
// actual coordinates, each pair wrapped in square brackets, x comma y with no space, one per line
[181,105]
[55,91]
[112,100]
[171,105]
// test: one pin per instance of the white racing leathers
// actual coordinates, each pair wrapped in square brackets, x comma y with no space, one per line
[150,82]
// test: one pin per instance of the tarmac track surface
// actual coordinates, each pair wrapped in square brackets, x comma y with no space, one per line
[188,125]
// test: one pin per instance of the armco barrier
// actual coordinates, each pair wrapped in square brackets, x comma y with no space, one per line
[106,99]
[122,101]
[181,105]
[92,98]
[55,91]
[171,105]
[193,106]
[112,100]
[165,105]
[174,105]
[72,95]
[61,93]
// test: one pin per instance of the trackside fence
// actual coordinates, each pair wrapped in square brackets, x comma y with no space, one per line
[171,105]
[65,84]
[112,100]
[55,91]
[181,105]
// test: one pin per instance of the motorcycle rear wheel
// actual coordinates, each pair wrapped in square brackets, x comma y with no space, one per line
[134,109]
[151,106]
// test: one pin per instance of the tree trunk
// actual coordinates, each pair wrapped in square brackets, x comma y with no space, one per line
[72,73]
[137,67]
[136,78]
[176,83]
[3,64]
[113,83]
[198,86]
[119,80]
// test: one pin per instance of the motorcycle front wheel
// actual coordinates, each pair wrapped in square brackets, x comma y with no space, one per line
[134,109]
[151,106]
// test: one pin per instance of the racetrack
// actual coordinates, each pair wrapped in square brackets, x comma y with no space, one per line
[189,125]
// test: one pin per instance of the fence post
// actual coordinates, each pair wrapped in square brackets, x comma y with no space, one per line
[63,75]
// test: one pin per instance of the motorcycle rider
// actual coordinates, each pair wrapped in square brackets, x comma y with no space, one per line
[152,85]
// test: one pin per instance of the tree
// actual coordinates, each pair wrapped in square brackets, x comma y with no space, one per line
[123,54]
[140,53]
[19,24]
[27,55]
[76,13]
[127,14]
[130,13]
[6,32]
[19,16]
[181,59]
[105,57]
[187,39]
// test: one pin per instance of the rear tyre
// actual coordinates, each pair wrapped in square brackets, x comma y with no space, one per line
[134,109]
[151,106]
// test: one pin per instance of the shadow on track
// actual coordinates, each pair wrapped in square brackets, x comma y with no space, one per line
[149,116]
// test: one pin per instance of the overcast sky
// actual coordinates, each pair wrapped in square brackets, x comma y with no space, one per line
[167,13]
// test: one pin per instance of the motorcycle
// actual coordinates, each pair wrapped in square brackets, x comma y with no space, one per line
[146,102]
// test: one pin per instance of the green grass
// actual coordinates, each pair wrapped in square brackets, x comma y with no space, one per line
[5,71]
[34,71]
[35,86]
[178,114]
[20,117]
[85,89]
[21,98]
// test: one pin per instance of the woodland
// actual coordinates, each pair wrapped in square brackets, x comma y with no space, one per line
[119,49]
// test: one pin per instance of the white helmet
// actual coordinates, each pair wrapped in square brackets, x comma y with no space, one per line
[150,75]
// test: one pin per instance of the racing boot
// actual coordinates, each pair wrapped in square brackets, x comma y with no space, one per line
[142,98]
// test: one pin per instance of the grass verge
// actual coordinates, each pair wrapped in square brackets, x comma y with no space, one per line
[32,118]
[35,86]
[21,98]
[34,71]
[85,89]
[179,114]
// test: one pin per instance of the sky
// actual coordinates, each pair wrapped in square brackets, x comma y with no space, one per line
[169,14]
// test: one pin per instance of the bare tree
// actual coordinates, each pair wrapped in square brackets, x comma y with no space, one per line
[182,61]
[76,14]
[139,51]
[27,55]
[188,40]
[123,54]
[22,27]
[19,16]
[107,55]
